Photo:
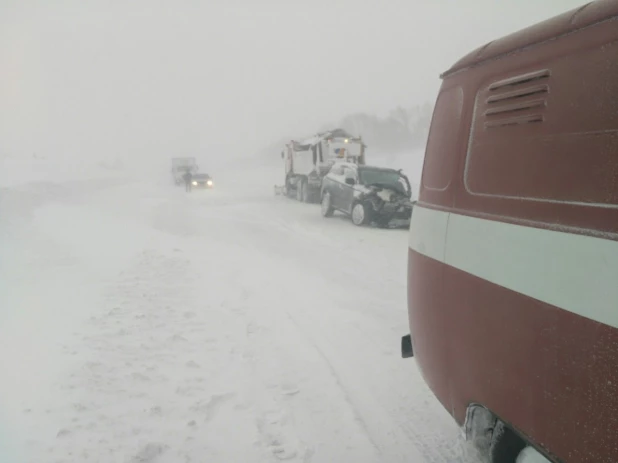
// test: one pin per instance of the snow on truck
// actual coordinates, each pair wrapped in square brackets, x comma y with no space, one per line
[308,161]
[513,246]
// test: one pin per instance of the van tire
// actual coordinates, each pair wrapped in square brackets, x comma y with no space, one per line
[506,445]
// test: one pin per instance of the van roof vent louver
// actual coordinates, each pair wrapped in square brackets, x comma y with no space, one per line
[517,100]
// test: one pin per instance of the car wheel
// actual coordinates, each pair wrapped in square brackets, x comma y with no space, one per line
[327,205]
[360,214]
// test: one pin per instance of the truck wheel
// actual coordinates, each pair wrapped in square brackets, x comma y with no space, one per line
[287,190]
[306,195]
[327,208]
[300,186]
[361,214]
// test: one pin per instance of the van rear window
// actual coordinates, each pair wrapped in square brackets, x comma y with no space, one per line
[549,134]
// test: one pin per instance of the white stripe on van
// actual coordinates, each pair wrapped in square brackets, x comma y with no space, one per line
[574,272]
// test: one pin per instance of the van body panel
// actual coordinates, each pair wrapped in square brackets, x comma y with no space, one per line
[513,251]
[530,384]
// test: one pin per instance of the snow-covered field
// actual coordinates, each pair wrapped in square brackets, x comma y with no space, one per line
[139,323]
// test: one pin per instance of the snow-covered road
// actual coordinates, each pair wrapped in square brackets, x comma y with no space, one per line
[139,323]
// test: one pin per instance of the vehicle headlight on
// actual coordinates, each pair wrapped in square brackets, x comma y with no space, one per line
[195,183]
[209,183]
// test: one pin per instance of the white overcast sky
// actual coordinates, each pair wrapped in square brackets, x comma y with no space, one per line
[179,77]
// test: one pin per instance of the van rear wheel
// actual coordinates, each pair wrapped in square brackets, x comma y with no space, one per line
[531,455]
[506,445]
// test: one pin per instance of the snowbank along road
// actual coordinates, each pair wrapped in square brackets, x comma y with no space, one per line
[139,323]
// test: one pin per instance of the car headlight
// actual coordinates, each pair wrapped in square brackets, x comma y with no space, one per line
[209,183]
[195,183]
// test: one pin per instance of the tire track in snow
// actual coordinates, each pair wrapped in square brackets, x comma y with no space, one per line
[204,346]
[346,393]
[357,408]
[270,237]
[419,440]
[423,440]
[279,384]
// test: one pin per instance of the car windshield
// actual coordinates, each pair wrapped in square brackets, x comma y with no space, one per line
[383,177]
[201,177]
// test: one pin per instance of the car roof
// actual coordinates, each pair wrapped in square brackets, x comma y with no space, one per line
[566,23]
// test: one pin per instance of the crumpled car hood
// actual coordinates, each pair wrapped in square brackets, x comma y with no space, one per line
[388,195]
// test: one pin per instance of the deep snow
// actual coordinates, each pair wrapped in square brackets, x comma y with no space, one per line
[139,323]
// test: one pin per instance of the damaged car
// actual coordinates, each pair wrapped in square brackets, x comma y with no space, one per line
[367,194]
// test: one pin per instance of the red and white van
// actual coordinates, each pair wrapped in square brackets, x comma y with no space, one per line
[513,249]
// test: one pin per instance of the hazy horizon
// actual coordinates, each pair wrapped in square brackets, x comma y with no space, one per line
[159,79]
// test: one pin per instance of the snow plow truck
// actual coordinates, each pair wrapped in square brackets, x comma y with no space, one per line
[307,161]
[513,245]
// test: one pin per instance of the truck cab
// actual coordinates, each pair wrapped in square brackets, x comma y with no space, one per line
[307,161]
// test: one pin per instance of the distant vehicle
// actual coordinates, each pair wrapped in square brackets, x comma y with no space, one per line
[513,247]
[367,194]
[307,161]
[180,166]
[202,181]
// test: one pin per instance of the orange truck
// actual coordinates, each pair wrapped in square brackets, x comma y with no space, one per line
[513,246]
